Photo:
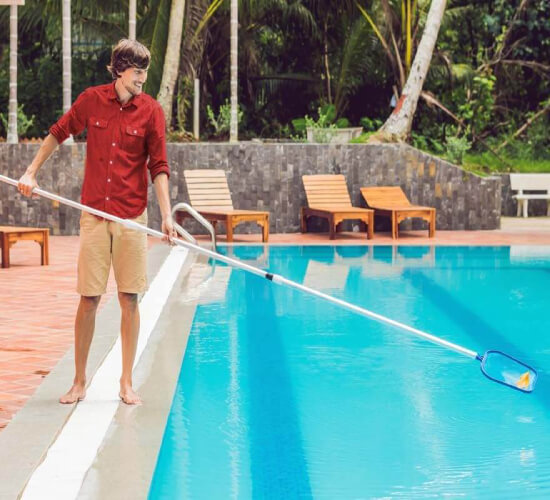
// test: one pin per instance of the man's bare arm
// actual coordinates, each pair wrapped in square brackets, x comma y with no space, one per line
[163,198]
[27,182]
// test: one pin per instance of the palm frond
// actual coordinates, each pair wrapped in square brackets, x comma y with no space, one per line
[355,61]
[158,47]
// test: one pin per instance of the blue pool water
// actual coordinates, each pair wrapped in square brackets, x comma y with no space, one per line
[282,395]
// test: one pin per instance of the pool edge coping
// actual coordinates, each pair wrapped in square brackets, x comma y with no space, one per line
[25,442]
[125,463]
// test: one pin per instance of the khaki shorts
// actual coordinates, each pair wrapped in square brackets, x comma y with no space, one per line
[103,241]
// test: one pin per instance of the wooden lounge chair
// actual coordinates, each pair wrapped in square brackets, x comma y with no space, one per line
[328,197]
[209,194]
[10,235]
[391,201]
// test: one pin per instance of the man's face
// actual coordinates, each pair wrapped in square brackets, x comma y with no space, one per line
[133,80]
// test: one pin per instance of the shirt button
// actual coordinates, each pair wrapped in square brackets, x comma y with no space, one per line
[108,180]
[107,198]
[110,162]
[135,131]
[114,143]
[120,109]
[97,123]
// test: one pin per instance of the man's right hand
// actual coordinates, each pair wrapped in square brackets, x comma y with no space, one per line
[26,184]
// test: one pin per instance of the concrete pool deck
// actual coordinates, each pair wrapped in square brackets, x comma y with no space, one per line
[38,305]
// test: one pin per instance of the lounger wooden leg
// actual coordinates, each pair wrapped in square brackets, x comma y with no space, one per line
[265,230]
[370,226]
[303,221]
[331,228]
[431,226]
[229,229]
[5,251]
[394,226]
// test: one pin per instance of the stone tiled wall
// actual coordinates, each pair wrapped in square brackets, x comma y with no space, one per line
[268,177]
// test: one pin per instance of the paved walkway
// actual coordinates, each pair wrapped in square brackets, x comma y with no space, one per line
[38,303]
[37,308]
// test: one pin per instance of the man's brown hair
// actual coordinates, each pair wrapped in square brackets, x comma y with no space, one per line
[128,54]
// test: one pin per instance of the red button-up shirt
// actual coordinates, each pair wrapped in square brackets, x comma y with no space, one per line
[124,141]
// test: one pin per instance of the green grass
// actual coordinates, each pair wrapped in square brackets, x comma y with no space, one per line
[487,164]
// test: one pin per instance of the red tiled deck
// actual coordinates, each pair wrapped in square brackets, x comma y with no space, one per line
[38,303]
[37,309]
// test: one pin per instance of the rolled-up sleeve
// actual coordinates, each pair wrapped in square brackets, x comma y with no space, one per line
[73,121]
[156,144]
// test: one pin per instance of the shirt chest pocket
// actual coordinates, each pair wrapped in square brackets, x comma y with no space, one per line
[134,139]
[97,126]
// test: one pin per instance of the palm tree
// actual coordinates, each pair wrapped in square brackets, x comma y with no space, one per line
[66,50]
[398,125]
[171,59]
[12,111]
[234,37]
[132,20]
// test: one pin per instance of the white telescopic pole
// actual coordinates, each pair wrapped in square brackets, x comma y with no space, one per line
[254,270]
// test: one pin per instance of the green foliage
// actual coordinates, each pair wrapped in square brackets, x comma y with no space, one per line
[477,110]
[457,148]
[327,114]
[487,163]
[370,124]
[322,130]
[342,123]
[222,121]
[363,138]
[490,67]
[23,121]
[158,46]
[429,143]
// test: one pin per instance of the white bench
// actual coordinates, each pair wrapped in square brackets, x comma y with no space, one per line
[530,182]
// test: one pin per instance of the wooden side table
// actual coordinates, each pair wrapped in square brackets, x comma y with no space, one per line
[10,235]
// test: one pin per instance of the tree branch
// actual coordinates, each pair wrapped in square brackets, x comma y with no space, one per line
[432,100]
[524,127]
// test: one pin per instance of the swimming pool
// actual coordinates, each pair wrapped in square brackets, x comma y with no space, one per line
[282,395]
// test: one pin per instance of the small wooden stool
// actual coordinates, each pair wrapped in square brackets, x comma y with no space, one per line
[10,235]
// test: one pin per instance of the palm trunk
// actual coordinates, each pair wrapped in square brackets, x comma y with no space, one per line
[132,20]
[171,60]
[234,125]
[66,50]
[326,62]
[398,125]
[12,108]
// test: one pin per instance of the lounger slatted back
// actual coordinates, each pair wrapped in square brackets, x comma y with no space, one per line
[326,191]
[328,198]
[209,194]
[386,196]
[208,189]
[391,201]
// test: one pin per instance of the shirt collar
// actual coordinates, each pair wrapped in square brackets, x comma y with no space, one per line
[136,100]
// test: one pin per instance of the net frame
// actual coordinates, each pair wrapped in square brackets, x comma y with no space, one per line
[487,354]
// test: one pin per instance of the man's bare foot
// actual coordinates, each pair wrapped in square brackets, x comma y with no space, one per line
[76,393]
[129,396]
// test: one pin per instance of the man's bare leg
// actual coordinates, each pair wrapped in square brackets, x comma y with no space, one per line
[83,334]
[129,331]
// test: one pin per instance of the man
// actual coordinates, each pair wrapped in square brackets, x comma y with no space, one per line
[125,140]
